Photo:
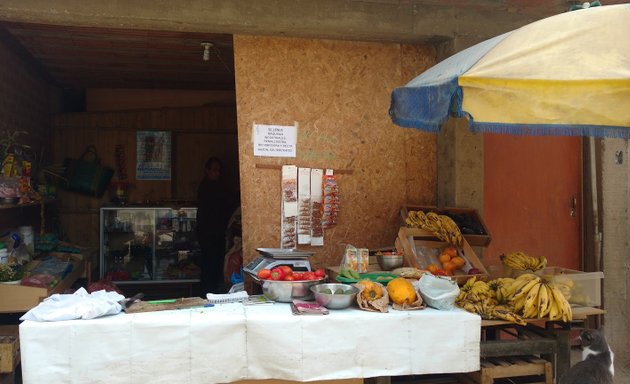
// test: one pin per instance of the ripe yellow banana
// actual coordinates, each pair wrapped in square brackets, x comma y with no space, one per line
[544,302]
[554,309]
[518,283]
[564,308]
[523,291]
[507,315]
[531,302]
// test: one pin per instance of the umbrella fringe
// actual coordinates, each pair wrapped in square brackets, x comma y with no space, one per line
[551,130]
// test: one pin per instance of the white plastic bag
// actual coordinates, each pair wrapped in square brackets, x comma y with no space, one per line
[438,292]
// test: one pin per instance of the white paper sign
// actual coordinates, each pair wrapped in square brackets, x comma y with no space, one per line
[275,140]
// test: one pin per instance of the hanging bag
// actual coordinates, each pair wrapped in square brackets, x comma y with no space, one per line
[86,175]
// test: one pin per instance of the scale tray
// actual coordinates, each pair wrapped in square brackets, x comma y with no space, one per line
[284,253]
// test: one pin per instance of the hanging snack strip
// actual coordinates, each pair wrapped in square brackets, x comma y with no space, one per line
[289,207]
[317,231]
[304,206]
[331,200]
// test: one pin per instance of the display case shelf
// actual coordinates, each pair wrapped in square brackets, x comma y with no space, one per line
[146,244]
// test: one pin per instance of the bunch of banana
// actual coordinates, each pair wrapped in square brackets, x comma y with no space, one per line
[349,273]
[559,307]
[488,309]
[442,226]
[500,287]
[534,297]
[523,262]
[476,291]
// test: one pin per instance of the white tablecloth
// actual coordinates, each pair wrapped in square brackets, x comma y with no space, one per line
[232,342]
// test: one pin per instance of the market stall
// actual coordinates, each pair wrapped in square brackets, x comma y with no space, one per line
[232,342]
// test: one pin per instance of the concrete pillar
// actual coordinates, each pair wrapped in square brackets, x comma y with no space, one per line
[615,179]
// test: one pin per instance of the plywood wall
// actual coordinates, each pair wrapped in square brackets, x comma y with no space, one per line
[197,133]
[339,93]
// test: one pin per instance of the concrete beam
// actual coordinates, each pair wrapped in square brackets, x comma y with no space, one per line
[368,20]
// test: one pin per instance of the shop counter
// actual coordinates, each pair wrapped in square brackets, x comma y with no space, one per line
[234,342]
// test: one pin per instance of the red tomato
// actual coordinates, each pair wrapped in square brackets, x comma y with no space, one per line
[264,274]
[286,270]
[289,278]
[277,274]
[309,276]
[298,276]
[319,272]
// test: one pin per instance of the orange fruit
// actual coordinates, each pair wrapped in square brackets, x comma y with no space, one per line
[450,250]
[458,261]
[432,268]
[449,266]
[444,258]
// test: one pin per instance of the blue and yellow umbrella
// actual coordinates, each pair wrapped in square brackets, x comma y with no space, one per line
[566,75]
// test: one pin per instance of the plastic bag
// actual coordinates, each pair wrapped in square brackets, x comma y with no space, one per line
[438,292]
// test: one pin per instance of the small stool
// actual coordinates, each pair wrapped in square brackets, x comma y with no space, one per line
[516,366]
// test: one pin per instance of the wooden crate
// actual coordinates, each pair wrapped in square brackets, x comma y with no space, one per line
[511,367]
[409,239]
[21,298]
[475,240]
[9,352]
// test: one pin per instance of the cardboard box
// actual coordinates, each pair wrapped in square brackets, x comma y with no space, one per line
[585,288]
[421,248]
[466,214]
[21,298]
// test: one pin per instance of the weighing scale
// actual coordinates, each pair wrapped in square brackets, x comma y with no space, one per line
[274,257]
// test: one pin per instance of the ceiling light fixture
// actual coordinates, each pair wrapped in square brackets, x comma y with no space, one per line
[206,50]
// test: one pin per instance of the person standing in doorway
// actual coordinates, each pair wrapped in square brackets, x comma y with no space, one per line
[213,212]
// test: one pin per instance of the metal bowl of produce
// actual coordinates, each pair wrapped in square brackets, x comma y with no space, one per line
[389,261]
[335,295]
[286,291]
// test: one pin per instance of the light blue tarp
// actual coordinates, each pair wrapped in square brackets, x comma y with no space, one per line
[426,101]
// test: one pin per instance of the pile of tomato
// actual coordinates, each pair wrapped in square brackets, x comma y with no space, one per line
[286,273]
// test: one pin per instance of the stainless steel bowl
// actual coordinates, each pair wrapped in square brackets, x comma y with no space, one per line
[335,295]
[286,291]
[388,262]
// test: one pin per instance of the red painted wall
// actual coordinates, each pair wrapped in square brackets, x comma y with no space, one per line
[529,183]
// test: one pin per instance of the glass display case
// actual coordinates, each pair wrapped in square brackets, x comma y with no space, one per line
[139,244]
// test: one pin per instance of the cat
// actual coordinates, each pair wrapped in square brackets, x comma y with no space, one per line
[596,366]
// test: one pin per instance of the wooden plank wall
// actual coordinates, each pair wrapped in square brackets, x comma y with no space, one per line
[196,132]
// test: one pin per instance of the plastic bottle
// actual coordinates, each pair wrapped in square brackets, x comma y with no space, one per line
[26,233]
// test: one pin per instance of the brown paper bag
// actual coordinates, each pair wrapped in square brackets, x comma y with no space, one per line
[418,304]
[378,305]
